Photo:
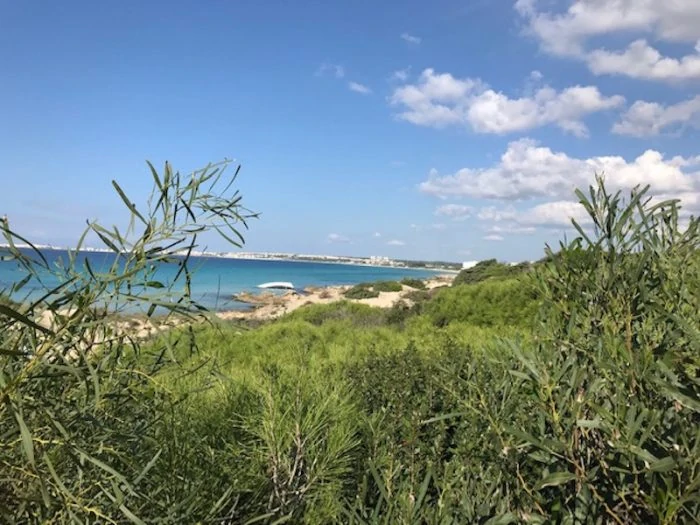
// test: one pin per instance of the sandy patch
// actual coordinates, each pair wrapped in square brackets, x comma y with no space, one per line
[271,307]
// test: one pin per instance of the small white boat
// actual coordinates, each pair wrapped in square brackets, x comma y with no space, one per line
[279,285]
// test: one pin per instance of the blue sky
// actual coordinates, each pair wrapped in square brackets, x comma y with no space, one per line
[452,130]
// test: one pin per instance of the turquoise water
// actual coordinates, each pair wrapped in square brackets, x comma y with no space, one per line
[216,279]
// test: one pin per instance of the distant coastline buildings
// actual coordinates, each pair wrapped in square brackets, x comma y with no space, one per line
[374,260]
[339,259]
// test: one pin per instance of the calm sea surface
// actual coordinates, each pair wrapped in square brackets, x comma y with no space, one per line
[216,279]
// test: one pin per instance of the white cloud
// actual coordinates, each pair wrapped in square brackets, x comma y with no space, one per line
[336,70]
[400,75]
[640,60]
[511,228]
[647,119]
[493,237]
[377,235]
[491,213]
[556,213]
[337,238]
[528,170]
[439,100]
[359,88]
[396,242]
[568,33]
[411,39]
[455,211]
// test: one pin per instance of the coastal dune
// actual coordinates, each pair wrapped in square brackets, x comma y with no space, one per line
[269,306]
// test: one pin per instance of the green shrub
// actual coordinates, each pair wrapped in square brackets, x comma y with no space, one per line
[490,269]
[298,448]
[491,303]
[612,386]
[411,282]
[419,296]
[360,291]
[359,315]
[80,414]
[387,286]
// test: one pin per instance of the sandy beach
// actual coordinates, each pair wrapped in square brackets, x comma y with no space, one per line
[267,306]
[264,306]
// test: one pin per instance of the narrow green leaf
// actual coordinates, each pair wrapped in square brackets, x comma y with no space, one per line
[128,203]
[17,316]
[131,515]
[442,417]
[556,478]
[27,442]
[503,519]
[148,467]
[663,464]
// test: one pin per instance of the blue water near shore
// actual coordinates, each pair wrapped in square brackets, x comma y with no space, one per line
[216,279]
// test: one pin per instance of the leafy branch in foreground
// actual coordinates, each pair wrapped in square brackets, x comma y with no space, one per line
[72,410]
[612,389]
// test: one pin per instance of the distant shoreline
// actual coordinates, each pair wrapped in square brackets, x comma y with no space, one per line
[321,259]
[264,306]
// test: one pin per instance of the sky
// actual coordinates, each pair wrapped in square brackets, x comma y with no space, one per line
[445,130]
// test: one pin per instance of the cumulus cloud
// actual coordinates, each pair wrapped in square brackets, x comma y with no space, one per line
[439,100]
[556,213]
[491,213]
[396,242]
[528,170]
[568,34]
[359,88]
[493,237]
[640,60]
[648,119]
[337,238]
[455,211]
[411,39]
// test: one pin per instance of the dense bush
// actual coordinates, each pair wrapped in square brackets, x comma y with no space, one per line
[80,415]
[490,269]
[359,315]
[411,282]
[387,286]
[361,291]
[491,303]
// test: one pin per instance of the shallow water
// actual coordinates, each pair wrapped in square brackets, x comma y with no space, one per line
[216,280]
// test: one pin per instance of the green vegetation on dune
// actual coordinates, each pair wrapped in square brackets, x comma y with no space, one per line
[372,290]
[561,392]
[508,302]
[417,284]
[490,269]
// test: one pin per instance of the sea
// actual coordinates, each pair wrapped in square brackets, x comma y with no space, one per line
[216,280]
